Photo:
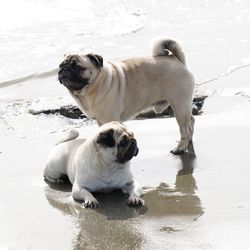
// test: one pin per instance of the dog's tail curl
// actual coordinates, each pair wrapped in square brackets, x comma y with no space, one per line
[70,135]
[163,47]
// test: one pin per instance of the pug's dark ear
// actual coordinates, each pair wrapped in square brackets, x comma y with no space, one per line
[96,60]
[106,138]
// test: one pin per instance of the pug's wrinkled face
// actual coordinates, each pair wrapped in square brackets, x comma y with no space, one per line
[78,71]
[117,143]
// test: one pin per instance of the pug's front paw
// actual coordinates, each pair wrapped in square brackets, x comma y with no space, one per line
[93,204]
[135,201]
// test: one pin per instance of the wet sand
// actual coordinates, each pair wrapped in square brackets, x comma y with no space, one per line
[200,200]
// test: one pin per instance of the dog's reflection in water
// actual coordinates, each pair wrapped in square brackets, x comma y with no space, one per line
[112,223]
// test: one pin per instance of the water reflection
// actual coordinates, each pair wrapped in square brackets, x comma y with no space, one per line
[109,227]
[180,199]
[115,225]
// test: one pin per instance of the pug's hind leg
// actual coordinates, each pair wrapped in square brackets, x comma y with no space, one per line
[186,125]
[135,193]
[82,194]
[53,176]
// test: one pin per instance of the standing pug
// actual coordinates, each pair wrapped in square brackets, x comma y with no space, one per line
[109,91]
[97,164]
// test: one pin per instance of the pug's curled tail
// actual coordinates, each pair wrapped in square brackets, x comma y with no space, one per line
[163,46]
[71,135]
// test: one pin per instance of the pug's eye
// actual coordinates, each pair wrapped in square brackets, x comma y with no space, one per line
[124,141]
[106,138]
[73,63]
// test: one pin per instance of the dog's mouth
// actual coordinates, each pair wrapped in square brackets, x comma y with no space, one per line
[71,77]
[129,152]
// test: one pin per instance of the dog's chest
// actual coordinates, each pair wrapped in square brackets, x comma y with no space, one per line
[108,181]
[84,105]
[113,180]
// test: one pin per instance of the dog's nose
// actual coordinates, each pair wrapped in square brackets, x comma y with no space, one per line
[134,144]
[61,64]
[133,140]
[136,151]
[60,76]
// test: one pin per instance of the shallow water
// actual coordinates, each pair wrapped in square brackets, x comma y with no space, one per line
[196,201]
[214,34]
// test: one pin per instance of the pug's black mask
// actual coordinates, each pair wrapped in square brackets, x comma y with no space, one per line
[127,149]
[70,75]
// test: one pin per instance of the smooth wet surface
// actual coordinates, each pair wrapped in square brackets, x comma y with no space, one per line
[200,200]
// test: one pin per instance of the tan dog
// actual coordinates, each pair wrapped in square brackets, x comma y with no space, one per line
[110,91]
[99,163]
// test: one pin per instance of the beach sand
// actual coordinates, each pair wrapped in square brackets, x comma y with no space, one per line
[199,200]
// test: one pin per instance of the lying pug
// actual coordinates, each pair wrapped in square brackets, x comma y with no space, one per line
[109,91]
[100,163]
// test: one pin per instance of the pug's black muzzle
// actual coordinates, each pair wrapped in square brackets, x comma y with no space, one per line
[128,153]
[71,78]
